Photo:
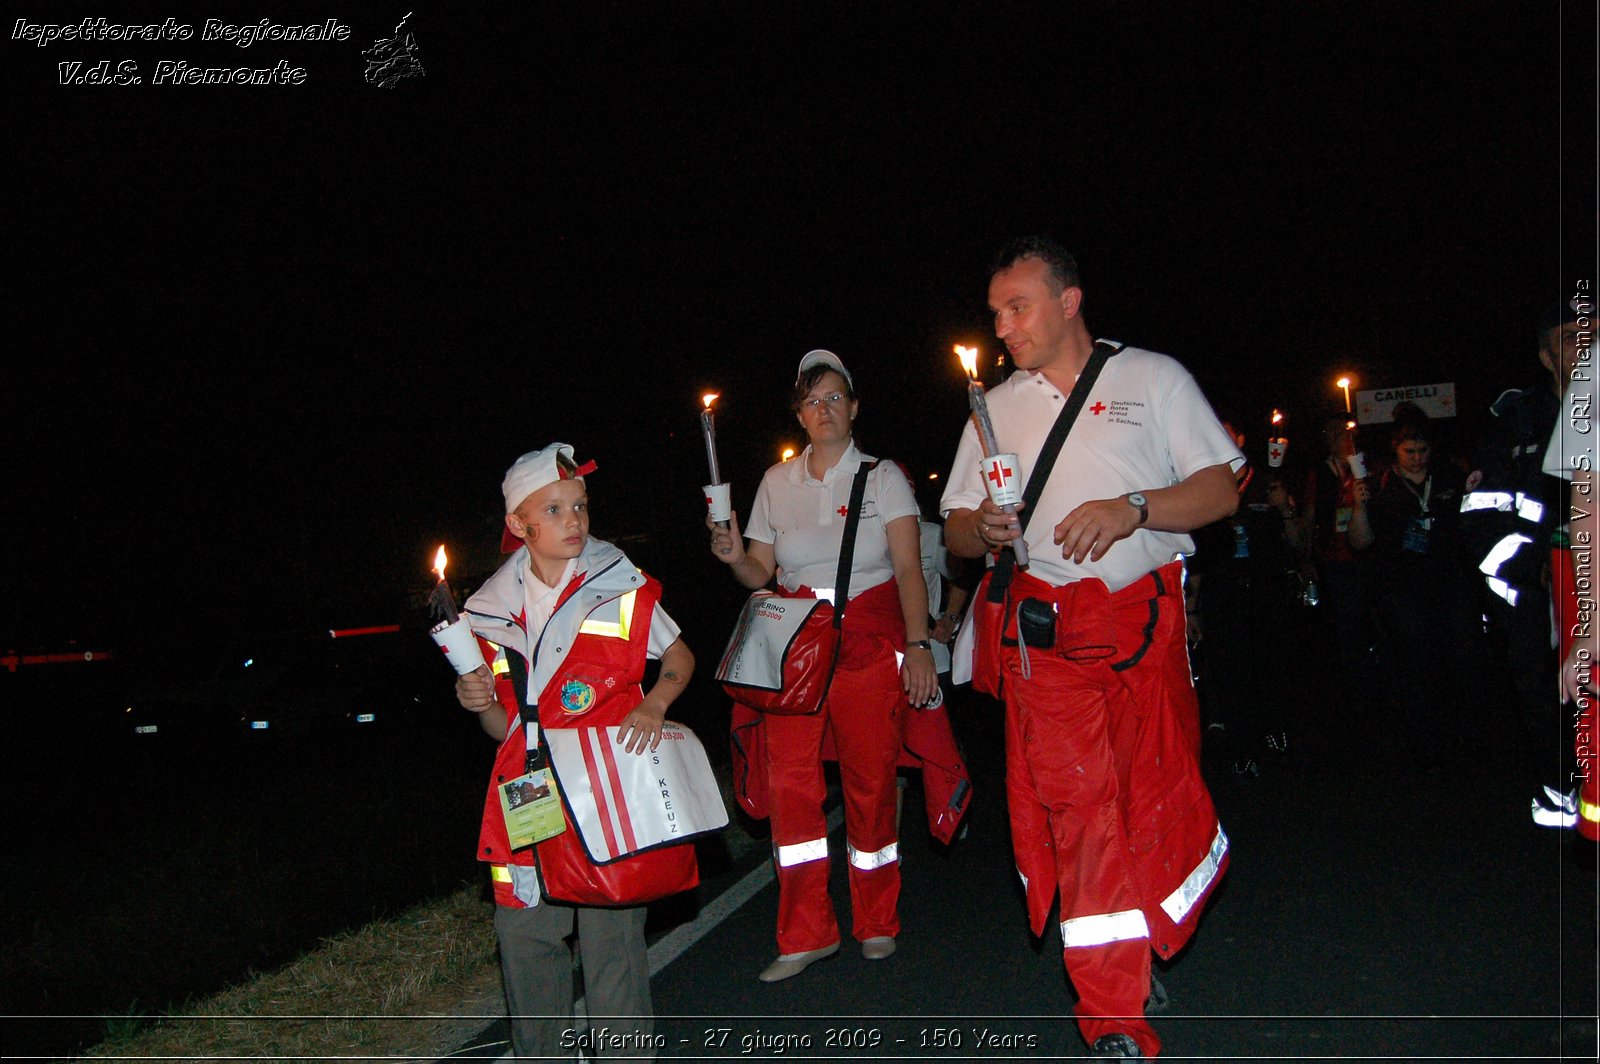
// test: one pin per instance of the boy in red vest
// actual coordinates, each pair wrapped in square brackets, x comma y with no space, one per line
[574,621]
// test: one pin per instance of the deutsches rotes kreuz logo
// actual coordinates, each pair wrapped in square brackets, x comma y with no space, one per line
[576,697]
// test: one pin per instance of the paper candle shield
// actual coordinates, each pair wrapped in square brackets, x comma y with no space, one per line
[460,646]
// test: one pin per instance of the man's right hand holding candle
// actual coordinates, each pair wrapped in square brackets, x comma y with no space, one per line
[974,533]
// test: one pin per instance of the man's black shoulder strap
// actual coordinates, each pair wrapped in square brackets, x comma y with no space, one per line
[1048,454]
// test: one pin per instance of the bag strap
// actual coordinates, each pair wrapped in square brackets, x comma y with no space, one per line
[847,547]
[1048,454]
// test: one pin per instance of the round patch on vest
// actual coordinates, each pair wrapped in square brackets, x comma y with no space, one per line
[577,696]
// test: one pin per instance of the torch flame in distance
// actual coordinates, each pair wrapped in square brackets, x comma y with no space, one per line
[439,561]
[969,360]
[709,398]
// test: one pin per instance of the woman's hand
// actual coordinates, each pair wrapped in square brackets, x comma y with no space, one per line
[727,545]
[918,677]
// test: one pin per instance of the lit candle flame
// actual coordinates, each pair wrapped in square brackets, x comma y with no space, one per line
[969,360]
[1342,382]
[439,561]
[709,398]
[788,453]
[1277,417]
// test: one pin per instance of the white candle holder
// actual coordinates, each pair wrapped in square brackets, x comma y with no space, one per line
[460,646]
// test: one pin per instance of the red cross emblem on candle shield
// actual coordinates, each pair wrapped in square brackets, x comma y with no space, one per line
[999,474]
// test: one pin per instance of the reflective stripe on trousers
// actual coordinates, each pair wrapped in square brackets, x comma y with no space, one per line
[1106,927]
[876,859]
[801,852]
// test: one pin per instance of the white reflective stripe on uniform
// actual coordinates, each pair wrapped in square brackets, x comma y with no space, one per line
[876,859]
[1486,500]
[1107,927]
[1180,901]
[799,853]
[617,629]
[1526,508]
[823,593]
[1501,553]
[1503,589]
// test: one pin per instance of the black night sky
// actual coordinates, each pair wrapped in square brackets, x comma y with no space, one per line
[269,345]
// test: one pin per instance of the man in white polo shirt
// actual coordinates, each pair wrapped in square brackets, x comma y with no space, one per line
[1102,727]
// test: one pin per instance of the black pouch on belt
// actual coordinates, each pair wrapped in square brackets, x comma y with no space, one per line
[1036,623]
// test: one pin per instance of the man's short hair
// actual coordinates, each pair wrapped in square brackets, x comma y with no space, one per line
[1061,267]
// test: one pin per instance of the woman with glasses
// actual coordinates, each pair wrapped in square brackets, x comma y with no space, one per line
[795,531]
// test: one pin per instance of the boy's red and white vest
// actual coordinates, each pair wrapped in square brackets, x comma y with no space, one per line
[586,667]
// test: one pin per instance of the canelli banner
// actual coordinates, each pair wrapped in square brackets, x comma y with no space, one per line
[1376,407]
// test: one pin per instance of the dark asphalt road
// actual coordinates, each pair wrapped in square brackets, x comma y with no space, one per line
[1371,911]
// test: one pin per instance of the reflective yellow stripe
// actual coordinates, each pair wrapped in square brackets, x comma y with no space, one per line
[1589,811]
[499,873]
[501,666]
[617,629]
[1101,929]
[866,861]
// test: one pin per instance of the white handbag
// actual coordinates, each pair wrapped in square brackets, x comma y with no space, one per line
[624,803]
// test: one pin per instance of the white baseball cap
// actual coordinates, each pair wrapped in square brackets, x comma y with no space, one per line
[825,358]
[536,469]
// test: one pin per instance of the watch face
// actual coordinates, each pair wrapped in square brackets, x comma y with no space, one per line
[1136,497]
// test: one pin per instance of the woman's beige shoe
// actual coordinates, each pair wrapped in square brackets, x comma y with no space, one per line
[792,964]
[877,949]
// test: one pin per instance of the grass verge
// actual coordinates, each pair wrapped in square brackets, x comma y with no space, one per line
[411,988]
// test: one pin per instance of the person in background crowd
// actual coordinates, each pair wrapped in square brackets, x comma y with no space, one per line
[1571,456]
[1511,509]
[1108,807]
[1341,575]
[1431,641]
[1243,584]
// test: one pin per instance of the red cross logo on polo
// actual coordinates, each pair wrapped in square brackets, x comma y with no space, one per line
[843,511]
[1000,477]
[1097,408]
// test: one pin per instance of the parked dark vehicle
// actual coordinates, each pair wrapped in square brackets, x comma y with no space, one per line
[295,685]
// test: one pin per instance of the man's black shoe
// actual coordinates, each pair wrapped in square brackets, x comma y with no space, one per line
[1116,1045]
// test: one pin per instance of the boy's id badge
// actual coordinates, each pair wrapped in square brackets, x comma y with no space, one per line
[532,808]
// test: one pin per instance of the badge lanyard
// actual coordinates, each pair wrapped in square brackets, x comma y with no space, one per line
[1423,495]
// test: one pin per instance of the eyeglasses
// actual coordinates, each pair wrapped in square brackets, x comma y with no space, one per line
[832,400]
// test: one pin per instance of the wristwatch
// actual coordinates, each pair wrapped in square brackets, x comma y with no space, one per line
[1136,498]
[925,644]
